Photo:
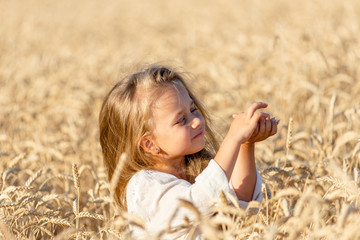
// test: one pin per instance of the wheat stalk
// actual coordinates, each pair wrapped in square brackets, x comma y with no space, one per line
[114,233]
[23,201]
[58,176]
[42,229]
[285,206]
[117,173]
[65,234]
[263,189]
[58,221]
[287,192]
[223,199]
[134,220]
[228,210]
[346,210]
[6,173]
[32,213]
[76,205]
[309,72]
[79,235]
[357,175]
[33,178]
[16,160]
[20,211]
[76,176]
[189,205]
[330,122]
[17,189]
[289,138]
[90,215]
[252,208]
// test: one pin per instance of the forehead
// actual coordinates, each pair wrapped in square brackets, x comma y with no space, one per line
[172,98]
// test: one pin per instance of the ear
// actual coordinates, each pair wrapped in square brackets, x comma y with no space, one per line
[147,143]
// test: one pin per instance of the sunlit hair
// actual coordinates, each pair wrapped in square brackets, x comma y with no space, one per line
[125,118]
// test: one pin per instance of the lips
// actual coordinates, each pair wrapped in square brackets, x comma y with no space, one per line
[199,134]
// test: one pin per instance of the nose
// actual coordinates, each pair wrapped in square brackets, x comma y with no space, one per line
[196,122]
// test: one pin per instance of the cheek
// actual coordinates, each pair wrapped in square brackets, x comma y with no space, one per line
[171,137]
[178,139]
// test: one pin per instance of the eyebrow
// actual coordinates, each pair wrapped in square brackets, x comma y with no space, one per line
[175,119]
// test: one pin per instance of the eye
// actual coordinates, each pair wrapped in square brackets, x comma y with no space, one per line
[194,109]
[181,120]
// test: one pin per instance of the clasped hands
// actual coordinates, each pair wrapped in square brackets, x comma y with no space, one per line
[253,126]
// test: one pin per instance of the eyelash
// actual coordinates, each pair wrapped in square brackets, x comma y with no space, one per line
[182,120]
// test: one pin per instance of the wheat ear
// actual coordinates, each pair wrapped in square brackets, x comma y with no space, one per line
[33,178]
[117,173]
[289,138]
[77,187]
[331,118]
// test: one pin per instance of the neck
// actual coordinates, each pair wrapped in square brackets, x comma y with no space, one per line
[176,167]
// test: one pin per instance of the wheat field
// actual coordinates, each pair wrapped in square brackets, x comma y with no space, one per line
[58,59]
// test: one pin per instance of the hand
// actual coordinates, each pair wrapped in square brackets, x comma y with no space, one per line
[266,128]
[245,124]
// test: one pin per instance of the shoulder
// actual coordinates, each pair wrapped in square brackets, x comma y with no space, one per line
[150,177]
[211,172]
[150,181]
[138,180]
[145,190]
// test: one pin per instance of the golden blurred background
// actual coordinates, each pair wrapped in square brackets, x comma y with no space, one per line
[59,58]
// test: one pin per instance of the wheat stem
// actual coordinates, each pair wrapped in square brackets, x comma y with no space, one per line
[289,138]
[77,187]
[117,173]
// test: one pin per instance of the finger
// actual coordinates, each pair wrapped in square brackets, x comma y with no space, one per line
[257,115]
[274,124]
[262,126]
[255,133]
[265,115]
[268,123]
[235,115]
[253,107]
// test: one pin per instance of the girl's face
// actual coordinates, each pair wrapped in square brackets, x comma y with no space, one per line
[179,127]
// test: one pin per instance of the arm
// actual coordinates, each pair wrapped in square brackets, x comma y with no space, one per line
[241,130]
[154,196]
[243,178]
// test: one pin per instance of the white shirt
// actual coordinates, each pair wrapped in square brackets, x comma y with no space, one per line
[153,196]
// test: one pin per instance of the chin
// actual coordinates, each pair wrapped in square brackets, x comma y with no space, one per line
[198,150]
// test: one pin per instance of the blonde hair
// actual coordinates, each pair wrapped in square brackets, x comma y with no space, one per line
[125,117]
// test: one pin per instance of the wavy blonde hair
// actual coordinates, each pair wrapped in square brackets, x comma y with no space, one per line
[125,118]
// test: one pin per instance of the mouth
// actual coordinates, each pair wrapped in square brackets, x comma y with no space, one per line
[201,133]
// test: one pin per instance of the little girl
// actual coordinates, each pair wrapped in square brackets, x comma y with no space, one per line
[171,152]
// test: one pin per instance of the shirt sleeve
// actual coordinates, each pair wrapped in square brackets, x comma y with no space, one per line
[156,190]
[257,195]
[154,195]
